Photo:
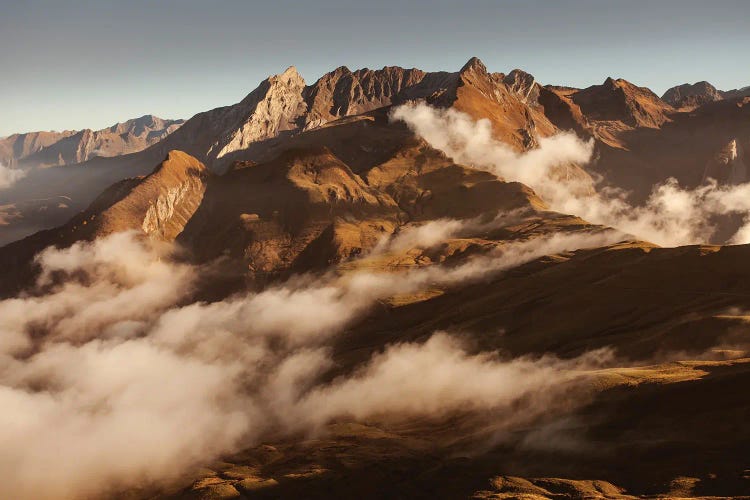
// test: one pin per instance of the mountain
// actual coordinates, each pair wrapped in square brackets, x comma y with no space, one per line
[634,131]
[45,149]
[620,100]
[324,197]
[159,205]
[328,204]
[692,96]
[596,363]
[642,140]
[284,105]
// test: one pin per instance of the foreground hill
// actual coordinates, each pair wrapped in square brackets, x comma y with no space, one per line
[672,317]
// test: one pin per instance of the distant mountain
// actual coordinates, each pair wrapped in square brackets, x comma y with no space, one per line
[44,149]
[642,140]
[735,93]
[691,96]
[622,101]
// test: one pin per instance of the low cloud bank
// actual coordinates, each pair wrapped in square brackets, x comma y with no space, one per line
[672,215]
[107,382]
[434,232]
[9,176]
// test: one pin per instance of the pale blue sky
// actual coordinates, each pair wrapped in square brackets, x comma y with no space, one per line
[75,63]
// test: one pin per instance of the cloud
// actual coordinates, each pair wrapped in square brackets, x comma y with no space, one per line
[306,310]
[9,176]
[471,142]
[110,380]
[94,291]
[672,215]
[439,377]
[105,415]
[431,233]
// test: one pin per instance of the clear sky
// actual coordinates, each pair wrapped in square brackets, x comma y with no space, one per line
[70,64]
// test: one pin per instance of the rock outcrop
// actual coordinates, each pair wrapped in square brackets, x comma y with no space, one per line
[728,166]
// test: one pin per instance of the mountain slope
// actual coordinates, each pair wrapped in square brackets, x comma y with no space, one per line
[162,203]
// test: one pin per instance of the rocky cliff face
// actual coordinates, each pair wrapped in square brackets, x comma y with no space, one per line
[343,92]
[728,166]
[64,148]
[270,109]
[509,102]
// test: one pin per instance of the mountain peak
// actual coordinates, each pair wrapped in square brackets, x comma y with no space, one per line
[341,70]
[474,64]
[692,96]
[177,160]
[289,77]
[620,100]
[612,82]
[290,71]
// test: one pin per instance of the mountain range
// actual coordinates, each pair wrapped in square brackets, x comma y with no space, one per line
[696,94]
[45,149]
[581,234]
[633,130]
